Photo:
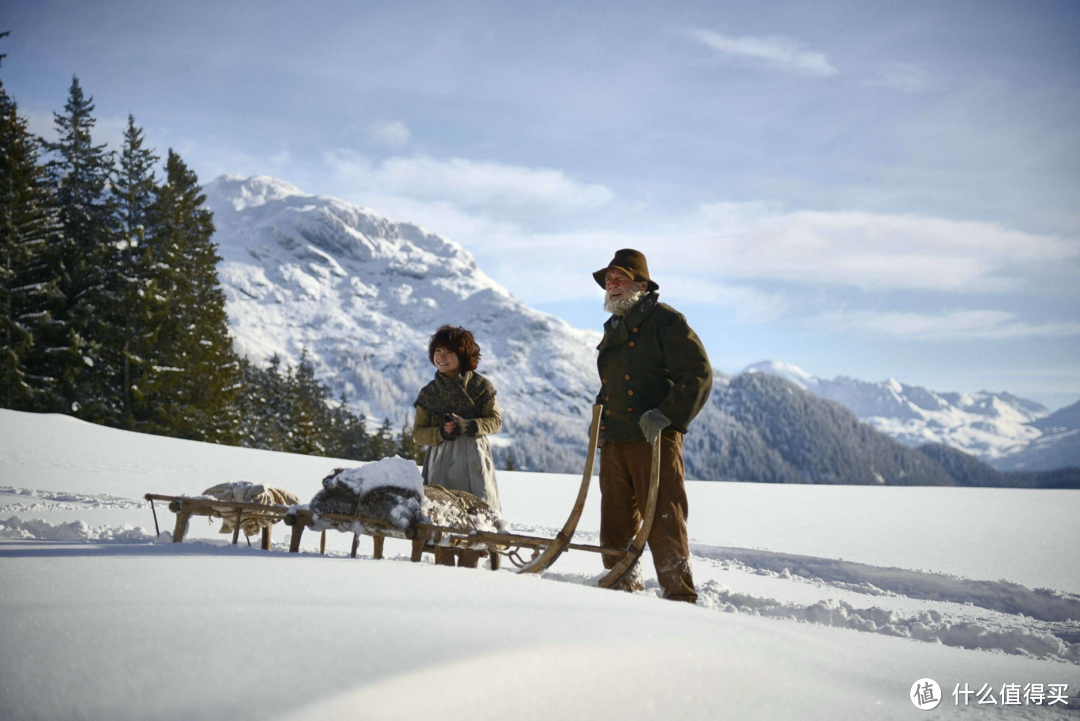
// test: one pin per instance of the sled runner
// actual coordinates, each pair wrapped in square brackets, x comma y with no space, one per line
[431,537]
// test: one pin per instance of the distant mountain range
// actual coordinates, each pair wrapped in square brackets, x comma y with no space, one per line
[1008,432]
[361,294]
[1057,447]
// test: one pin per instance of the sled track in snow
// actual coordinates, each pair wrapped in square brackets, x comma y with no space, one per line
[1004,596]
[1040,623]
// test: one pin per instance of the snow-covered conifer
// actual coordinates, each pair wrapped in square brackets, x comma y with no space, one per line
[197,376]
[29,296]
[85,259]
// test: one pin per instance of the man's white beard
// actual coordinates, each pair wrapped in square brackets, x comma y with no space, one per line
[620,306]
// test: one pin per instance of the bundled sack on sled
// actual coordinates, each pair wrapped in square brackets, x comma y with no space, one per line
[246,492]
[392,490]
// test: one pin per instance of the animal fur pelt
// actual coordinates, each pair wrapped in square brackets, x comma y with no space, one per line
[403,506]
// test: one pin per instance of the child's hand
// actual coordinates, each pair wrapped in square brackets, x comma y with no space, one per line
[453,427]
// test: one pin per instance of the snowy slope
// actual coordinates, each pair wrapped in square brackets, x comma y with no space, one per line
[363,294]
[990,426]
[1057,447]
[816,601]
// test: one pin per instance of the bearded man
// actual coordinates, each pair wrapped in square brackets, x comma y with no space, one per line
[655,377]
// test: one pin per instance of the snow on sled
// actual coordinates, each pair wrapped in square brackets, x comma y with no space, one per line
[388,499]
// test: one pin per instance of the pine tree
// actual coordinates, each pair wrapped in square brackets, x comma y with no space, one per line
[85,261]
[382,443]
[29,297]
[249,406]
[141,310]
[196,378]
[349,433]
[510,462]
[407,447]
[311,417]
[359,448]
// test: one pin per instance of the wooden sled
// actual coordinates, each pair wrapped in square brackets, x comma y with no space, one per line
[427,537]
[185,507]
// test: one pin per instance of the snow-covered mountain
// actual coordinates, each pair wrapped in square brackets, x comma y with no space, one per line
[362,294]
[990,426]
[1057,447]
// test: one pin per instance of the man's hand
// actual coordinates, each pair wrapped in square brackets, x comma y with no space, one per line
[652,422]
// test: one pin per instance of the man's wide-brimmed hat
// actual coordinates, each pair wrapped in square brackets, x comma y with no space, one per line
[631,262]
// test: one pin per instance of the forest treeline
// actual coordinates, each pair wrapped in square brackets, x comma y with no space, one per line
[111,309]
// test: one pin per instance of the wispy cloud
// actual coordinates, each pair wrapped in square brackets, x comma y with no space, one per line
[393,134]
[953,325]
[772,51]
[905,77]
[744,302]
[871,251]
[465,182]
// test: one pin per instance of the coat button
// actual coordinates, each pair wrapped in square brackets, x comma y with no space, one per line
[629,410]
[603,428]
[631,344]
[635,330]
[630,392]
[603,380]
[607,413]
[607,398]
[626,377]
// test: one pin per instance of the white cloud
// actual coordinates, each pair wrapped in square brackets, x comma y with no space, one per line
[905,77]
[744,302]
[465,182]
[771,51]
[954,325]
[868,250]
[393,134]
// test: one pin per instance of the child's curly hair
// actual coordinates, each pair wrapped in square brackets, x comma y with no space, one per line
[459,341]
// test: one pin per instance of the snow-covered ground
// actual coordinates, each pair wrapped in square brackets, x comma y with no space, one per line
[816,601]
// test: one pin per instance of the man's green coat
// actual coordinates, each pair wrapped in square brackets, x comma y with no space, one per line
[650,359]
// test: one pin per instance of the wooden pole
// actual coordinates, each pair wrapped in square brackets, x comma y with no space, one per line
[268,509]
[355,544]
[181,525]
[236,528]
[266,532]
[379,541]
[294,542]
[153,510]
[322,543]
[418,547]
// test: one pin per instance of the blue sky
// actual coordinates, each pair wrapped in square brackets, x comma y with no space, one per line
[862,189]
